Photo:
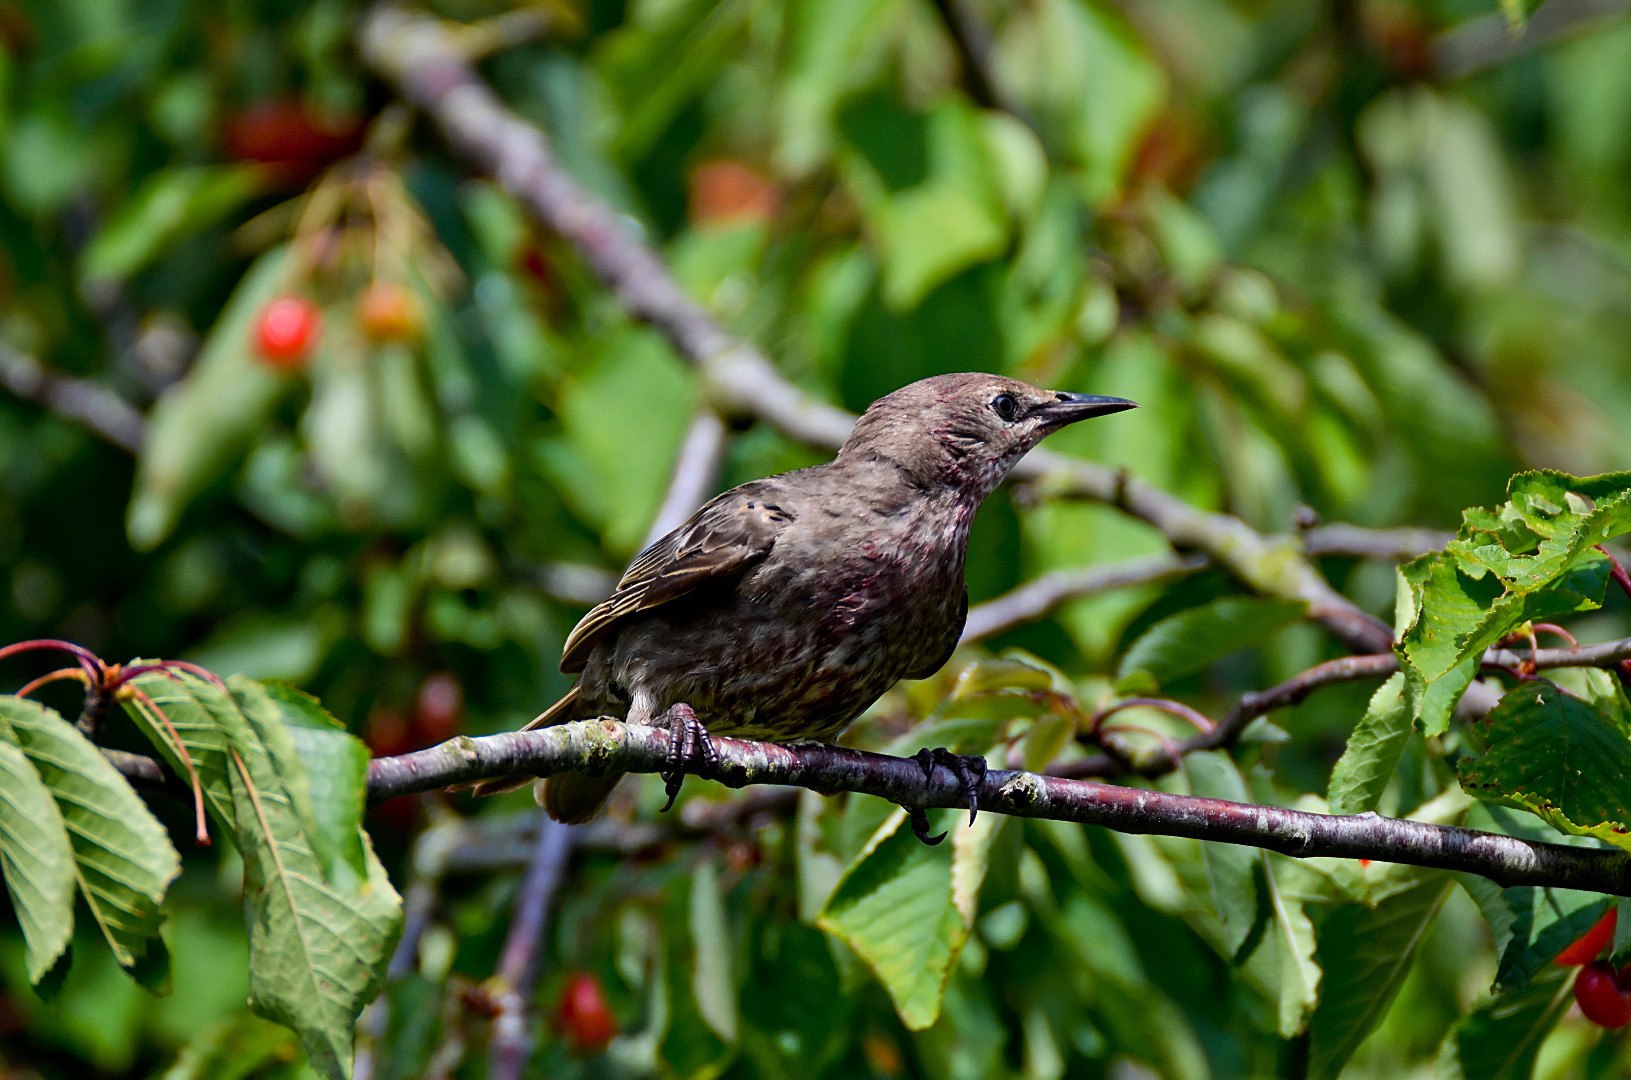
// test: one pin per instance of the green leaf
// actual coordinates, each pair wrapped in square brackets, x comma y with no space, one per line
[123,858]
[1365,767]
[1299,970]
[1563,759]
[203,423]
[1231,870]
[336,764]
[320,932]
[176,203]
[1190,640]
[232,1049]
[711,938]
[36,861]
[906,909]
[1531,558]
[1501,1037]
[1366,953]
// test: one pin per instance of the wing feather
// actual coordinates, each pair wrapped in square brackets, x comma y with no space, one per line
[719,543]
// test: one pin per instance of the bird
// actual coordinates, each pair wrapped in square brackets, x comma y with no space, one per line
[783,608]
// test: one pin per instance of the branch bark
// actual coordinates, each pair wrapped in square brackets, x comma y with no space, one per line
[609,744]
[85,402]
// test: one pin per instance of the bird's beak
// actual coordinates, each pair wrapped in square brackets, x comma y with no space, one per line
[1068,408]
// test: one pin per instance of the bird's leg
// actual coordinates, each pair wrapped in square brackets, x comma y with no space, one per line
[969,769]
[688,744]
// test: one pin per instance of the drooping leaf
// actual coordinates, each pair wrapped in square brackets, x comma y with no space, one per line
[1561,758]
[320,932]
[711,980]
[1365,767]
[123,859]
[174,204]
[1231,871]
[36,861]
[1299,969]
[906,909]
[1190,640]
[201,425]
[1365,954]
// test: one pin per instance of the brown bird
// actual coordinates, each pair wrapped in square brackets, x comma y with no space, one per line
[785,607]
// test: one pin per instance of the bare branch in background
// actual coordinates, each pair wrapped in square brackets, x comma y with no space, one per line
[85,402]
[518,966]
[696,474]
[1037,598]
[609,744]
[1490,40]
[1358,542]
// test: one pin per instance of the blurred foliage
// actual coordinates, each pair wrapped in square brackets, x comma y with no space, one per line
[1334,275]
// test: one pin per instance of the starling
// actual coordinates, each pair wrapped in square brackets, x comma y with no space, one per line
[786,606]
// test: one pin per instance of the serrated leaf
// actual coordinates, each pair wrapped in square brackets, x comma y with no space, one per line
[1560,758]
[1500,1038]
[1365,954]
[318,941]
[336,765]
[907,909]
[203,423]
[1531,558]
[36,861]
[123,859]
[1190,640]
[1367,764]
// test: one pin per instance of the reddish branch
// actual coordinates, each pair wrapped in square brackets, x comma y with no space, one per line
[609,744]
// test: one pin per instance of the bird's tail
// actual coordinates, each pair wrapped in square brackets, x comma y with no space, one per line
[573,798]
[558,713]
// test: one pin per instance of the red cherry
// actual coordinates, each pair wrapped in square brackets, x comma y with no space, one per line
[1603,995]
[291,138]
[731,192]
[389,312]
[583,1015]
[1590,945]
[440,707]
[287,331]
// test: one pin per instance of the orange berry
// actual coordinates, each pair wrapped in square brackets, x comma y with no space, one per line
[389,312]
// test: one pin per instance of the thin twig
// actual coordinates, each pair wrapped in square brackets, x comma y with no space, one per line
[610,744]
[1037,598]
[421,58]
[518,964]
[696,473]
[1489,40]
[1359,542]
[87,403]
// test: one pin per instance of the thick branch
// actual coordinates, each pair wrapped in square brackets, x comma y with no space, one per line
[1359,542]
[419,56]
[80,400]
[608,744]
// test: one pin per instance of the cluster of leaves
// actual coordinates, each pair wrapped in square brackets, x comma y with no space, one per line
[280,779]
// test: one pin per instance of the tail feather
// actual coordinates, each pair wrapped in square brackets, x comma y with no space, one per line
[559,713]
[573,798]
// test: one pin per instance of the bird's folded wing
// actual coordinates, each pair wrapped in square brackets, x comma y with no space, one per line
[718,543]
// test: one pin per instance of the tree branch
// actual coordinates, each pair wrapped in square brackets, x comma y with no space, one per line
[85,402]
[1036,598]
[422,59]
[518,963]
[1359,542]
[608,744]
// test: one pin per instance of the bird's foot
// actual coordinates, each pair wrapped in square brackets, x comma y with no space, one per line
[969,769]
[688,744]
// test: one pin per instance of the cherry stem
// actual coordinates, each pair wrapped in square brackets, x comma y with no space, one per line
[144,702]
[88,661]
[1617,570]
[54,676]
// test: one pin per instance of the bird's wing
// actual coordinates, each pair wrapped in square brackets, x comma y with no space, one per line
[718,543]
[940,662]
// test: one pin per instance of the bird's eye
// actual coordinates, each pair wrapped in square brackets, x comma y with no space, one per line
[1006,406]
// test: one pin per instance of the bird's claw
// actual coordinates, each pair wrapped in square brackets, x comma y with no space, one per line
[969,769]
[688,744]
[920,826]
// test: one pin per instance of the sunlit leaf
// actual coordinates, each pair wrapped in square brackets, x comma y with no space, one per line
[36,861]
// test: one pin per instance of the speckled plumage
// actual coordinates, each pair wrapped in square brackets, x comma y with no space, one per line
[785,607]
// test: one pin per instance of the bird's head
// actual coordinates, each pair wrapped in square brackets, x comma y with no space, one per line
[965,431]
